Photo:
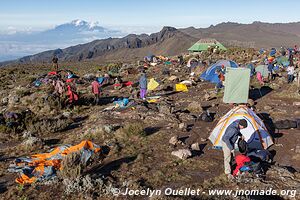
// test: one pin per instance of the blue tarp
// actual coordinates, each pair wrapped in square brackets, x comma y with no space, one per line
[210,74]
[100,80]
[122,103]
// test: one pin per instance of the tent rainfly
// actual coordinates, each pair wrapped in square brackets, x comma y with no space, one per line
[204,44]
[236,85]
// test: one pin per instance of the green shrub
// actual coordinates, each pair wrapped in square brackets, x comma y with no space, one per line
[134,129]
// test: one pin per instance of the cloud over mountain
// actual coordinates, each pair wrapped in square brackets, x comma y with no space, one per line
[14,44]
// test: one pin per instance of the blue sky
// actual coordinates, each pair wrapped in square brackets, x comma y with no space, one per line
[42,14]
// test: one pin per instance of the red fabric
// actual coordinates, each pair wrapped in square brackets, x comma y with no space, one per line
[72,95]
[95,87]
[52,73]
[240,162]
[117,85]
[259,77]
[128,83]
[69,80]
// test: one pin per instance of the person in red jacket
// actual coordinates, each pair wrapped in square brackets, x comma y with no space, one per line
[71,91]
[96,91]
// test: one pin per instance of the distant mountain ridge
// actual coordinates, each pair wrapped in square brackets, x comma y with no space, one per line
[172,41]
[64,35]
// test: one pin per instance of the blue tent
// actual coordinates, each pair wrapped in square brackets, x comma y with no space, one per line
[210,73]
[261,51]
[150,57]
[273,52]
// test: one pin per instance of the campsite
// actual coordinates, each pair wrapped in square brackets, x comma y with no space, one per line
[182,113]
[165,128]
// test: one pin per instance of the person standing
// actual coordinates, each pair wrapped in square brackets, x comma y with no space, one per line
[96,91]
[143,85]
[290,71]
[229,138]
[72,92]
[221,78]
[55,63]
[271,70]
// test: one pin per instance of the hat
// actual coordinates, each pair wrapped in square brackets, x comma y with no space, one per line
[243,123]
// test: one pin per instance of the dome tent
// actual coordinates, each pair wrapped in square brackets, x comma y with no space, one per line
[205,44]
[210,74]
[256,132]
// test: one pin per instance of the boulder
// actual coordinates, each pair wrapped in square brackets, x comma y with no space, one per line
[182,153]
[32,142]
[296,103]
[89,76]
[108,128]
[174,140]
[297,149]
[195,146]
[195,107]
[268,108]
[165,108]
[172,78]
[181,126]
[251,102]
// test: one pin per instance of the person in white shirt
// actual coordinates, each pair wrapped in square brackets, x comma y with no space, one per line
[290,71]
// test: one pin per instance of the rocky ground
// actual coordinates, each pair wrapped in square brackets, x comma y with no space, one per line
[142,137]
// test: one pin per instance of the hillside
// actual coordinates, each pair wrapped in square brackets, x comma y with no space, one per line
[172,41]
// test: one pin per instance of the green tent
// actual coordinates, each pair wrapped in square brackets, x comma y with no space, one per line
[204,44]
[237,81]
[263,69]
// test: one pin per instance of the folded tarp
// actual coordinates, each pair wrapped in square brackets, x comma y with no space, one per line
[181,88]
[43,166]
[152,85]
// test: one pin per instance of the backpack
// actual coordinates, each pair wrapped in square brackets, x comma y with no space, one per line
[252,167]
[242,145]
[206,117]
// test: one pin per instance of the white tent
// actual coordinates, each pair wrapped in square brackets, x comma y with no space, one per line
[256,132]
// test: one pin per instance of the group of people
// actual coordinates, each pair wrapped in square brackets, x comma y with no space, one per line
[68,86]
[251,156]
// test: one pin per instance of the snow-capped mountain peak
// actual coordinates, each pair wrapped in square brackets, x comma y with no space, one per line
[78,22]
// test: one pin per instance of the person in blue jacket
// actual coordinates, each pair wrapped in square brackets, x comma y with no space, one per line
[230,137]
[143,85]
